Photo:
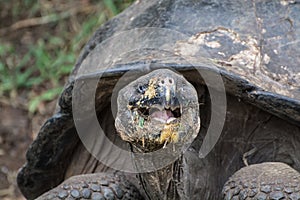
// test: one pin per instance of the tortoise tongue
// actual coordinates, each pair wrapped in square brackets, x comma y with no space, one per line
[162,116]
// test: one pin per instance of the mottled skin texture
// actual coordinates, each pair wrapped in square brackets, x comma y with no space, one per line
[254,45]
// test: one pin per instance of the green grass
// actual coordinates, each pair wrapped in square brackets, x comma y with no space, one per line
[43,65]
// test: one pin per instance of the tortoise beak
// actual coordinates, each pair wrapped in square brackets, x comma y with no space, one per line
[168,97]
[169,93]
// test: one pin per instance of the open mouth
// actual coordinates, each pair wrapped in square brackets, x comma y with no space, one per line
[160,114]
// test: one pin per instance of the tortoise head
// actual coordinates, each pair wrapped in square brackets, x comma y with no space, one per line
[158,108]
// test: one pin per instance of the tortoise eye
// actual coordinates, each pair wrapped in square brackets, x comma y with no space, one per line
[141,89]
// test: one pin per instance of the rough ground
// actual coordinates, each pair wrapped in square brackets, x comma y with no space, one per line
[17,131]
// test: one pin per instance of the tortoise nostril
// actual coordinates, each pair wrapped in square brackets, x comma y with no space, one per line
[167,81]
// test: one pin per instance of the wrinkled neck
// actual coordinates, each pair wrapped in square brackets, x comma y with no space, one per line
[166,182]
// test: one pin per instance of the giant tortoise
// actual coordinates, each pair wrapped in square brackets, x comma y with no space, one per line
[178,99]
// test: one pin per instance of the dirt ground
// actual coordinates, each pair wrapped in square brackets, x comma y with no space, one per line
[17,131]
[14,140]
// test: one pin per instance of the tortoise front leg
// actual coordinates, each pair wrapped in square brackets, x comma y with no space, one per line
[99,186]
[270,180]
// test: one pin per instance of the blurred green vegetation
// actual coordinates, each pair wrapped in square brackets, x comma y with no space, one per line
[40,42]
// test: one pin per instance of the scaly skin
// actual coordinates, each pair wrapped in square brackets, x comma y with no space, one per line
[94,186]
[270,180]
